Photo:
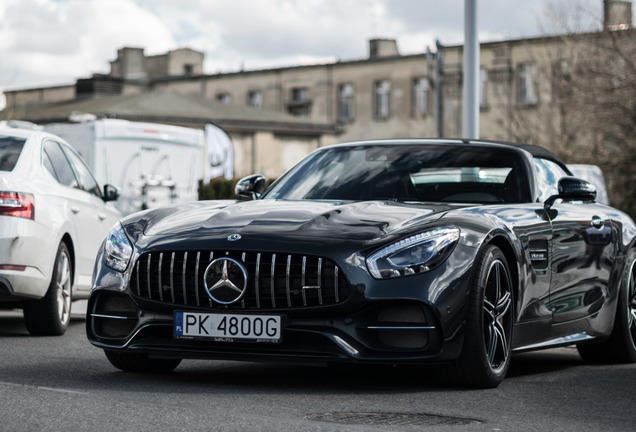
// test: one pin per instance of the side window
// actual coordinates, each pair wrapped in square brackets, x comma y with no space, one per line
[46,161]
[548,175]
[58,164]
[88,182]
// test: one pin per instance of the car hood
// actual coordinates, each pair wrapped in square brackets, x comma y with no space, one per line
[287,220]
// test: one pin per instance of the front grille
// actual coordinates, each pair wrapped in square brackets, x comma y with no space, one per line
[274,280]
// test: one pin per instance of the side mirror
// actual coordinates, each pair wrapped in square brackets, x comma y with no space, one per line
[111,193]
[250,187]
[573,189]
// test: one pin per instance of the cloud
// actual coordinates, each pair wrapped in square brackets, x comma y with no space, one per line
[49,42]
[54,42]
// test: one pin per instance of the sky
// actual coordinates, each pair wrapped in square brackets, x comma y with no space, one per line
[55,42]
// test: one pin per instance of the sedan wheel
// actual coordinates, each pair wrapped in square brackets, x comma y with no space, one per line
[50,315]
[485,356]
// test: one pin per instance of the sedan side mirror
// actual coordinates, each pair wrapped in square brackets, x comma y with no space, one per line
[250,187]
[111,193]
[573,189]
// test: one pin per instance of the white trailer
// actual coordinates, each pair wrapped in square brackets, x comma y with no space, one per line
[152,164]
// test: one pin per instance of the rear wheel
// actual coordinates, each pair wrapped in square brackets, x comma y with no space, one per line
[138,362]
[50,315]
[485,355]
[621,346]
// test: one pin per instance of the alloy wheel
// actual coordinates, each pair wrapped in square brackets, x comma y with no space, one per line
[63,287]
[497,315]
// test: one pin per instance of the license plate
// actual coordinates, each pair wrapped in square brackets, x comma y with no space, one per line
[227,327]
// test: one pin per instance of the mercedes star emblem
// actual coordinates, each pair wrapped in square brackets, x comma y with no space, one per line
[225,280]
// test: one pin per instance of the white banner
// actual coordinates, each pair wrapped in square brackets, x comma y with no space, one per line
[219,153]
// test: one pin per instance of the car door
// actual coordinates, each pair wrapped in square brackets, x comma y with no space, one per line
[581,251]
[93,217]
[86,213]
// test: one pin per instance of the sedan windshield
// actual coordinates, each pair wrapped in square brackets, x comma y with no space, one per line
[430,173]
[10,149]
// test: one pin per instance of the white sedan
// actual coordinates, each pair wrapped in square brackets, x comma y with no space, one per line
[53,218]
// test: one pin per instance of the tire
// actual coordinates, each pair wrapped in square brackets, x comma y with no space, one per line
[621,345]
[137,362]
[485,356]
[50,315]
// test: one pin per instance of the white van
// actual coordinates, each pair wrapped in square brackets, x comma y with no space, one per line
[151,164]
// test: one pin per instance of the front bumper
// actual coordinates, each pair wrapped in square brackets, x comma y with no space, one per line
[380,332]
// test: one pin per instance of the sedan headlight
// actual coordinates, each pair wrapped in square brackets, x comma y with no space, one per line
[416,254]
[117,249]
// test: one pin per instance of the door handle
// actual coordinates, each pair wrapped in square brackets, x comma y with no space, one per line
[101,216]
[75,210]
[597,222]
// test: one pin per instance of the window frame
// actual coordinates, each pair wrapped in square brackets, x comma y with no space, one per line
[382,99]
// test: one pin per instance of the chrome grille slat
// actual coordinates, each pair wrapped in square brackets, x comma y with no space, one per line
[159,274]
[288,280]
[196,279]
[302,279]
[184,272]
[172,277]
[256,284]
[138,282]
[319,274]
[335,284]
[272,281]
[148,275]
[275,281]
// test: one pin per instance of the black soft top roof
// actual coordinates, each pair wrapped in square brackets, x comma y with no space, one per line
[534,150]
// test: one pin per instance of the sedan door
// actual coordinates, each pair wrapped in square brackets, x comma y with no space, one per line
[88,215]
[93,218]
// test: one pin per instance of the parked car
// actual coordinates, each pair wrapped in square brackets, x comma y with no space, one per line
[444,252]
[53,218]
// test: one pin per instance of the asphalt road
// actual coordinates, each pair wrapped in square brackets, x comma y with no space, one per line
[65,384]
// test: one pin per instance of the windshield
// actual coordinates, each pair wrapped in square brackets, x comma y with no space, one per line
[431,173]
[10,149]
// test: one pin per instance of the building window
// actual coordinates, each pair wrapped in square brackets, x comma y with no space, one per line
[483,87]
[299,94]
[188,69]
[526,91]
[560,81]
[300,104]
[420,96]
[382,95]
[345,102]
[224,98]
[255,99]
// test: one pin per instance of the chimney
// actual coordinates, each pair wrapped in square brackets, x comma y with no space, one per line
[383,48]
[617,14]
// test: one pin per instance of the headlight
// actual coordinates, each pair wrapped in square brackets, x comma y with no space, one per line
[117,249]
[412,255]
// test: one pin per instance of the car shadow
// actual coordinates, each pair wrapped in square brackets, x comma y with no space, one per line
[238,377]
[12,323]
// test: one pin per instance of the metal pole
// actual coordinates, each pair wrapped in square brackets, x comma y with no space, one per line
[471,72]
[439,72]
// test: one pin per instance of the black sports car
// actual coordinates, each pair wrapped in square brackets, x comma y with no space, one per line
[445,252]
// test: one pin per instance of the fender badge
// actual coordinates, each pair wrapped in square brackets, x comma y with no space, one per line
[234,237]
